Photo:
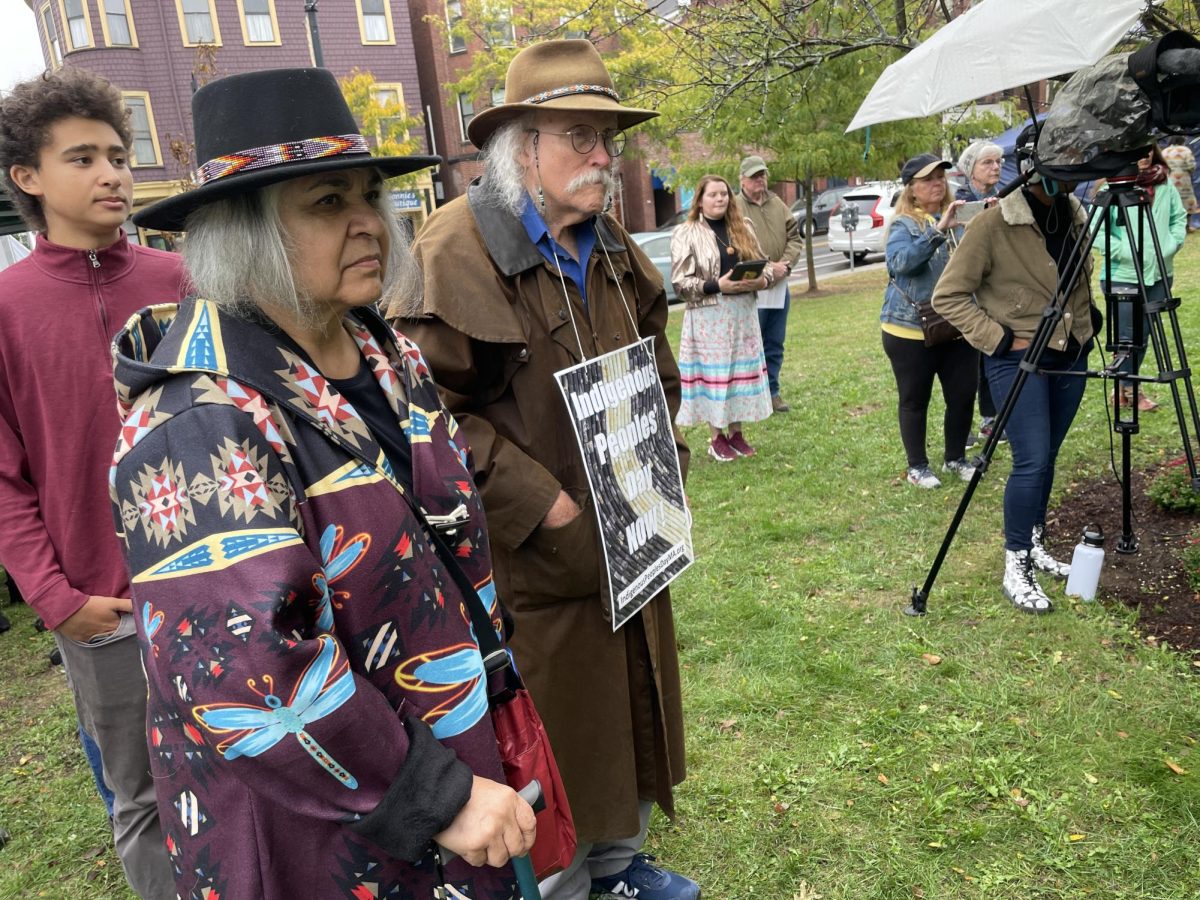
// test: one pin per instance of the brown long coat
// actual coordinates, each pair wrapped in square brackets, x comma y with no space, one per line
[495,331]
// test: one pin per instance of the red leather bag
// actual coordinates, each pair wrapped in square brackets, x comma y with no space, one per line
[526,755]
[521,738]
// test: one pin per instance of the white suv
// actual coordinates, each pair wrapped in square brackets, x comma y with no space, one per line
[876,205]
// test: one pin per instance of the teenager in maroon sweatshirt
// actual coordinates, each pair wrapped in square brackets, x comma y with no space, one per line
[65,163]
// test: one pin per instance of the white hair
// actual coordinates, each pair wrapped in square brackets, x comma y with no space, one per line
[239,256]
[975,152]
[505,173]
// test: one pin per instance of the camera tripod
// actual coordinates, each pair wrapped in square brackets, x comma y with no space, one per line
[1122,199]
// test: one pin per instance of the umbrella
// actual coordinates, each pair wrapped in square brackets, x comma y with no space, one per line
[995,45]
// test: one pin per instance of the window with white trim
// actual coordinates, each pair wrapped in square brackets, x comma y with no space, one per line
[466,112]
[454,15]
[499,31]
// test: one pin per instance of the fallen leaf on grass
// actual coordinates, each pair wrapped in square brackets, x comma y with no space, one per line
[1123,735]
[93,853]
[806,893]
[882,779]
[1175,767]
[1090,779]
[726,725]
[1115,695]
[1076,837]
[932,658]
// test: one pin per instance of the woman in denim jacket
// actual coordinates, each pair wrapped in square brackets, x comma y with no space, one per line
[917,252]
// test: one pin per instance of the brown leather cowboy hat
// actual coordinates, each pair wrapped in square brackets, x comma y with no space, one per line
[555,75]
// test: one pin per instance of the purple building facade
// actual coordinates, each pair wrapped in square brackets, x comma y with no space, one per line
[158,51]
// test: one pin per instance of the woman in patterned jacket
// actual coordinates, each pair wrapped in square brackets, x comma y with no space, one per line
[318,715]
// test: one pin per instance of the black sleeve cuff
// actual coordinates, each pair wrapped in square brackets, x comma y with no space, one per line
[430,789]
[1005,342]
[711,287]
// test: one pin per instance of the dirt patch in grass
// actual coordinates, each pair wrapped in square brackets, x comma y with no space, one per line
[1153,579]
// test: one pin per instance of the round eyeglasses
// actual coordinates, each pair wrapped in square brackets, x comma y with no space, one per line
[584,137]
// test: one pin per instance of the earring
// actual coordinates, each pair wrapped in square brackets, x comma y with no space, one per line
[541,198]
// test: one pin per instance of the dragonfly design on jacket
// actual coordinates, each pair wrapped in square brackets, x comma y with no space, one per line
[338,557]
[325,685]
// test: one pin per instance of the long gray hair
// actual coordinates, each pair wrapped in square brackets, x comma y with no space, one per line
[238,256]
[504,171]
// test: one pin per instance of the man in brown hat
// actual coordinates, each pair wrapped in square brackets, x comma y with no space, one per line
[526,276]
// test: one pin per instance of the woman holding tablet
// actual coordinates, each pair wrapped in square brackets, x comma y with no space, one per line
[717,266]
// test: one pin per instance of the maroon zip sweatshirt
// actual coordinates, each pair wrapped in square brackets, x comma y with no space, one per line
[59,310]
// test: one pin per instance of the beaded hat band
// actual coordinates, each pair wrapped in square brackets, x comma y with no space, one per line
[569,89]
[274,154]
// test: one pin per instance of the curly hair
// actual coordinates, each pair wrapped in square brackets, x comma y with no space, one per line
[32,109]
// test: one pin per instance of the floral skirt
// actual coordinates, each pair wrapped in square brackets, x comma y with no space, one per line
[721,363]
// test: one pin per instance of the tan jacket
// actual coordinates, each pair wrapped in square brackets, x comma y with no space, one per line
[776,227]
[696,258]
[496,328]
[1002,261]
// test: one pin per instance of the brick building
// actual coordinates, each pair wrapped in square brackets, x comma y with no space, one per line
[442,59]
[157,51]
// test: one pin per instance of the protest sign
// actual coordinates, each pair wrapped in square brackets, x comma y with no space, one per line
[619,413]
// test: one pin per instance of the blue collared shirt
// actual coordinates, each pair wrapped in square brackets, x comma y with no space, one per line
[585,240]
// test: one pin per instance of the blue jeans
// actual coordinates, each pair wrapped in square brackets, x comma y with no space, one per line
[92,752]
[1036,429]
[773,325]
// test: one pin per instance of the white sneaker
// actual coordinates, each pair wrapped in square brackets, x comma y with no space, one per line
[1042,560]
[959,467]
[923,477]
[1021,585]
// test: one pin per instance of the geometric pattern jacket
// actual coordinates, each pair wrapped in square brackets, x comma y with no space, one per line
[317,702]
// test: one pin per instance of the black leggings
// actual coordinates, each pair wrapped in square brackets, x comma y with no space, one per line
[956,365]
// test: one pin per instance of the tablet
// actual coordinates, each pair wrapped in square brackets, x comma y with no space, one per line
[748,271]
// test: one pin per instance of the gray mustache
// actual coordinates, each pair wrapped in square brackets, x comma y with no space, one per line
[592,176]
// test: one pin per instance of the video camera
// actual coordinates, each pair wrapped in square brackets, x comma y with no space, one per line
[1105,116]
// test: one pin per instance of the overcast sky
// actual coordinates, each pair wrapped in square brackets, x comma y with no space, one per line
[20,51]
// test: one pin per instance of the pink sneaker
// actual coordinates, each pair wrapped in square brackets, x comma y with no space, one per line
[739,445]
[720,449]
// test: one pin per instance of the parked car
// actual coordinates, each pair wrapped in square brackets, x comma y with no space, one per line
[876,204]
[676,219]
[822,204]
[657,246]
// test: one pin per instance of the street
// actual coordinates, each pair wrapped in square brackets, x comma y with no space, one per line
[829,263]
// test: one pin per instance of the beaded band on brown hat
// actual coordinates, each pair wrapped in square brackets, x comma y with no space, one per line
[274,154]
[569,89]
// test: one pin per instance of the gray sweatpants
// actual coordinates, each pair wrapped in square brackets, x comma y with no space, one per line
[109,685]
[596,861]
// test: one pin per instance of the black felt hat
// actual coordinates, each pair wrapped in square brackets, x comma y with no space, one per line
[260,128]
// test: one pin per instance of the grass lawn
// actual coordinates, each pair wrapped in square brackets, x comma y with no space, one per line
[836,748]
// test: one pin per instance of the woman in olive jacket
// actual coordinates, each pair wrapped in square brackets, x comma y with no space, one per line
[1003,275]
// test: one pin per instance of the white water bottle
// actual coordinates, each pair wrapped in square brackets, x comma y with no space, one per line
[1085,564]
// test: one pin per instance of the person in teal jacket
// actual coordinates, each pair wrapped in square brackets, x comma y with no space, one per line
[1170,222]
